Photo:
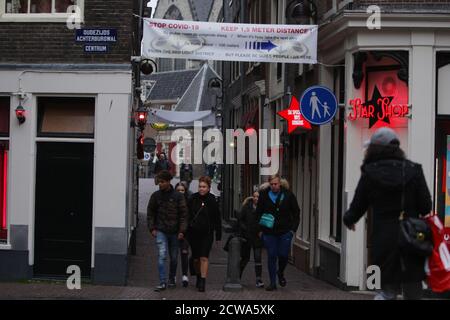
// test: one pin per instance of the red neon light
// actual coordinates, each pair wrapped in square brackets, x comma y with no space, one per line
[5,168]
[361,110]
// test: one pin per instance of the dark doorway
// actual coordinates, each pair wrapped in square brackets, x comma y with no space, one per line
[63,221]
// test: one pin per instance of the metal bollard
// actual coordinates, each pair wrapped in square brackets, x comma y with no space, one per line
[233,282]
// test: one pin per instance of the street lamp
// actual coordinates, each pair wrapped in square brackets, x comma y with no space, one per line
[300,11]
[141,115]
[215,84]
[20,114]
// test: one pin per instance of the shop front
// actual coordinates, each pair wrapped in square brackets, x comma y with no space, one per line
[396,77]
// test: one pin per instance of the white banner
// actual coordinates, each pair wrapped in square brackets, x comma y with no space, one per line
[229,41]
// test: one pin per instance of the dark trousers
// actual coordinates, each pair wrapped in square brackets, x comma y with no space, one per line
[184,253]
[246,247]
[278,247]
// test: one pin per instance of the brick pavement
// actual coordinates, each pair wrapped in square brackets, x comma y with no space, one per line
[143,277]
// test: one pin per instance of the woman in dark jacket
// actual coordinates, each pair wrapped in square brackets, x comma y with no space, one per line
[282,205]
[385,175]
[204,221]
[248,228]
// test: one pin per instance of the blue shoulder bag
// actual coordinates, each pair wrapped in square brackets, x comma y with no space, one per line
[267,219]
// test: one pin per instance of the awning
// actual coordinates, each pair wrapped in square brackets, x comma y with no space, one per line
[182,118]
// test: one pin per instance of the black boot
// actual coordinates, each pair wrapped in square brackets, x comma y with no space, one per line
[201,287]
[197,284]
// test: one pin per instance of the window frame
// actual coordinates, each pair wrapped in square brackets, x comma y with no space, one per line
[38,17]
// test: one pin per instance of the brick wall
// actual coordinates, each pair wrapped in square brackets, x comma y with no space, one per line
[54,43]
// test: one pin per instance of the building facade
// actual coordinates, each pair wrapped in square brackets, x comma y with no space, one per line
[406,61]
[67,177]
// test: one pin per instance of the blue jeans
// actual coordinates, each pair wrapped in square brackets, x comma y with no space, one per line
[278,247]
[167,242]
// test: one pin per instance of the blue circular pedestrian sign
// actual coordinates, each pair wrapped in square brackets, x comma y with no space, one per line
[318,105]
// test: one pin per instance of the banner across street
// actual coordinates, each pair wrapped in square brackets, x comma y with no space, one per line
[229,41]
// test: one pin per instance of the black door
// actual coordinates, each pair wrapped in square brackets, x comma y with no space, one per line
[63,221]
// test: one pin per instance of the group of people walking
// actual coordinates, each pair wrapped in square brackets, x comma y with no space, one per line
[269,219]
[180,221]
[183,222]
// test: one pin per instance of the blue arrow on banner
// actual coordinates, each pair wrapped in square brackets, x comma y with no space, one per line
[268,45]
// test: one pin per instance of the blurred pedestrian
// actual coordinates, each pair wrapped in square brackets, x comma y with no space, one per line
[389,184]
[204,222]
[167,218]
[183,243]
[248,229]
[279,216]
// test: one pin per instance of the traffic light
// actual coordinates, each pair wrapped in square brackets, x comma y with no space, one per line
[140,147]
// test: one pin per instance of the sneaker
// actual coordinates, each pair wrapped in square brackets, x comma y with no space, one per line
[259,283]
[172,283]
[185,281]
[281,280]
[271,287]
[161,287]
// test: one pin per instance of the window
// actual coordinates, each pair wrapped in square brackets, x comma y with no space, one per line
[4,116]
[66,117]
[39,10]
[4,149]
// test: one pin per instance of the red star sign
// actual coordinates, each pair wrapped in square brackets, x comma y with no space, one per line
[294,117]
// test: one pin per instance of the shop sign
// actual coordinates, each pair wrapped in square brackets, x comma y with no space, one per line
[379,108]
[294,117]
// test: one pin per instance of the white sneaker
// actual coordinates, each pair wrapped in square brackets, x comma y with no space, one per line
[185,281]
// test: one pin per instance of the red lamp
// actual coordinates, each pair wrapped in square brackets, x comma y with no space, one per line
[141,117]
[20,114]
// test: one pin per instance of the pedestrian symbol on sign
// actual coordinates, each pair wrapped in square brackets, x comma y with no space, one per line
[318,105]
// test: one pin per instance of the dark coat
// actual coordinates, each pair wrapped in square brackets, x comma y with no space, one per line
[162,165]
[286,219]
[209,218]
[380,188]
[167,212]
[249,223]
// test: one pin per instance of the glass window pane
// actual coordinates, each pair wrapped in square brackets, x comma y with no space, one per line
[16,6]
[41,6]
[62,5]
[3,184]
[66,116]
[4,116]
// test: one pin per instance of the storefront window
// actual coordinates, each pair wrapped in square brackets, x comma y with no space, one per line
[66,117]
[442,175]
[4,147]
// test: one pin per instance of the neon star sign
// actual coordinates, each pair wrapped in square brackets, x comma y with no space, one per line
[294,117]
[379,108]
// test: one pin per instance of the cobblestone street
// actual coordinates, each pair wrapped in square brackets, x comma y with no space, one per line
[143,277]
